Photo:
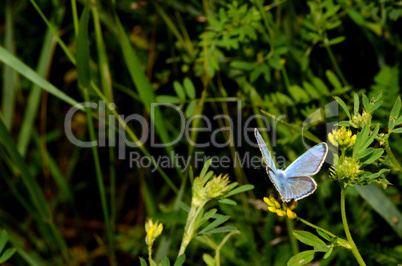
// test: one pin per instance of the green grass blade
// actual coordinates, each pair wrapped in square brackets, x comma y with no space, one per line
[35,94]
[145,91]
[9,76]
[99,178]
[84,75]
[10,60]
[382,205]
[33,188]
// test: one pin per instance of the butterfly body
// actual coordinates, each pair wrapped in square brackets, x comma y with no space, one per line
[294,182]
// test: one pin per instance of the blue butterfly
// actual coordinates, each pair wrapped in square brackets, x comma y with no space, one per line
[295,182]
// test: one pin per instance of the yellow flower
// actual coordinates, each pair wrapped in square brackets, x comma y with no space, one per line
[275,207]
[342,138]
[290,214]
[153,231]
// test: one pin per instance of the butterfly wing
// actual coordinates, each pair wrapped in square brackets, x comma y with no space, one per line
[265,153]
[297,188]
[309,163]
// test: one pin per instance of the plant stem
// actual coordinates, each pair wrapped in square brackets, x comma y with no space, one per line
[392,156]
[293,241]
[346,228]
[189,228]
[315,226]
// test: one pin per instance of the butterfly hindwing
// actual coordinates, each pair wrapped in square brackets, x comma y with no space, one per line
[309,163]
[264,151]
[297,188]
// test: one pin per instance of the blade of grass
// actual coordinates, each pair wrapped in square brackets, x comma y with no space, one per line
[34,98]
[84,82]
[99,179]
[8,59]
[382,205]
[145,91]
[9,76]
[50,26]
[107,91]
[33,188]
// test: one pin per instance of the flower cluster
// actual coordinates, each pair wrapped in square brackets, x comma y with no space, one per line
[275,207]
[361,120]
[204,191]
[346,167]
[153,231]
[342,138]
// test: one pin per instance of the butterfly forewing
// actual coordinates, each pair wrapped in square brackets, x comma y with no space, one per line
[309,163]
[264,151]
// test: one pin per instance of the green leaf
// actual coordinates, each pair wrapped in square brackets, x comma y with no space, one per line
[398,130]
[396,109]
[321,248]
[375,106]
[333,25]
[7,255]
[373,157]
[218,221]
[167,99]
[323,234]
[398,121]
[3,239]
[165,262]
[143,262]
[333,79]
[222,229]
[247,66]
[84,75]
[301,258]
[228,201]
[239,190]
[331,11]
[183,206]
[308,238]
[189,87]
[180,260]
[366,103]
[205,218]
[363,140]
[329,252]
[298,94]
[311,90]
[382,205]
[208,259]
[356,104]
[205,168]
[365,153]
[190,109]
[178,88]
[343,105]
[336,40]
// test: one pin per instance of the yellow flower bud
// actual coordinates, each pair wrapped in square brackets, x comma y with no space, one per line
[280,213]
[153,231]
[290,214]
[269,202]
[272,209]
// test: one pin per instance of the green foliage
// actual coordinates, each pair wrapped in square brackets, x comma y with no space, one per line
[285,61]
[6,254]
